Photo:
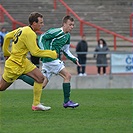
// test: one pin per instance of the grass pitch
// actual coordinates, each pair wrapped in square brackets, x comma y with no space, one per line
[100,111]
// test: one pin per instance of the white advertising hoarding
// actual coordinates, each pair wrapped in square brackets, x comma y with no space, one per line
[121,63]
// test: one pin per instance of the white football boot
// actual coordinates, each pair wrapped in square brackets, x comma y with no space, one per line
[40,107]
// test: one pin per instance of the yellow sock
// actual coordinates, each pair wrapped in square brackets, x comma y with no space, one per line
[37,92]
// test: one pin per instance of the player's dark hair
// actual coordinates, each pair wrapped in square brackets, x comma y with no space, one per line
[33,17]
[68,17]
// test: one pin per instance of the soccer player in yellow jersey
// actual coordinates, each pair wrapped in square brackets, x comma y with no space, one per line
[24,41]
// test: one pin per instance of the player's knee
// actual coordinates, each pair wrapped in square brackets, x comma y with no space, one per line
[44,85]
[68,76]
[40,79]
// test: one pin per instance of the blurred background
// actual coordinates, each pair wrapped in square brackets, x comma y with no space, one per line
[110,20]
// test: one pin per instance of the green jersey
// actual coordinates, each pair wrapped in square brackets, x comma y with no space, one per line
[56,39]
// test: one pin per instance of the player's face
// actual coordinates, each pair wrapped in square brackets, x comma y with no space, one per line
[39,24]
[68,26]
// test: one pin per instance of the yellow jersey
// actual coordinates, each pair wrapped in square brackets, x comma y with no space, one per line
[24,41]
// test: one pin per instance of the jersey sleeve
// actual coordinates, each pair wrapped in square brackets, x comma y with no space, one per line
[7,40]
[34,49]
[68,54]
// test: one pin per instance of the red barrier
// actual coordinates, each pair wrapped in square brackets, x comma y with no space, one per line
[82,23]
[14,22]
[131,25]
[98,28]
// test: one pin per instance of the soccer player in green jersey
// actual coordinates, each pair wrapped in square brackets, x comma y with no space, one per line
[59,39]
[24,41]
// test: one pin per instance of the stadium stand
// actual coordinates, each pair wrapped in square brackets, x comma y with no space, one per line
[112,15]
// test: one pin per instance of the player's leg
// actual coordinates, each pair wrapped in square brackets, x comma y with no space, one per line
[45,82]
[4,85]
[11,71]
[32,71]
[38,77]
[67,88]
[27,79]
[57,67]
[37,91]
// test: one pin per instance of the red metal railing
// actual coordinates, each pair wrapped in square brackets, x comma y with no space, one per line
[131,25]
[98,28]
[14,22]
[82,23]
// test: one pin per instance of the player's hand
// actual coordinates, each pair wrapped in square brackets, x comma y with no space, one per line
[78,64]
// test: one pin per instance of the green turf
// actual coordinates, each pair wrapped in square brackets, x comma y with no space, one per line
[100,111]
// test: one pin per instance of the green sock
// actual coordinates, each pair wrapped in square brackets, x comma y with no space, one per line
[27,79]
[66,90]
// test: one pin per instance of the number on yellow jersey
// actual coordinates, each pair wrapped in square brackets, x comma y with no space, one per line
[16,36]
